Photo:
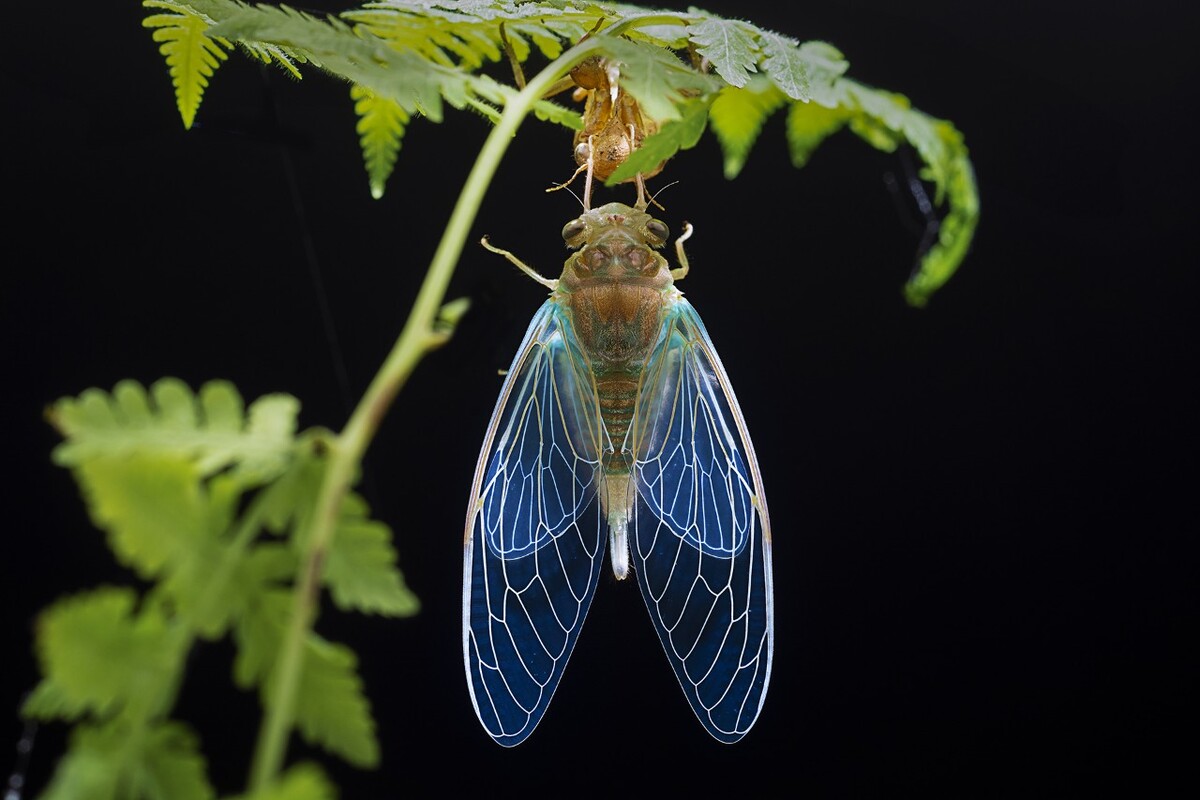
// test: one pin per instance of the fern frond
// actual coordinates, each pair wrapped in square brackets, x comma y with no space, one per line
[381,126]
[413,56]
[274,54]
[415,83]
[730,45]
[163,760]
[885,120]
[304,781]
[361,571]
[210,429]
[192,56]
[737,117]
[99,650]
[465,34]
[331,709]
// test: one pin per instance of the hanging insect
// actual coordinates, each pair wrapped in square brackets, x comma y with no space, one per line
[616,416]
[613,126]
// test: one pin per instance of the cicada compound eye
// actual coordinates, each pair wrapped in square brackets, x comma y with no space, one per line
[572,231]
[658,231]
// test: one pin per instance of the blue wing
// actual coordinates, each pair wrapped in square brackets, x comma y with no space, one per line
[534,540]
[702,542]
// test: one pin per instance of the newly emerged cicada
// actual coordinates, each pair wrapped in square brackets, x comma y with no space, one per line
[617,416]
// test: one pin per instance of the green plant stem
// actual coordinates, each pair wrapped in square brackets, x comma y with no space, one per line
[418,337]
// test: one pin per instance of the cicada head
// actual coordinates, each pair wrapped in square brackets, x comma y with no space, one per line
[616,244]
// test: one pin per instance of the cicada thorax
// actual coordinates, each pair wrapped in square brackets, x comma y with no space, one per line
[613,123]
[616,287]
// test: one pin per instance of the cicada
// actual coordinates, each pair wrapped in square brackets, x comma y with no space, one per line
[613,123]
[616,424]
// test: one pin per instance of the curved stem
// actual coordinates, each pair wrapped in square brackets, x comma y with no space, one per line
[417,338]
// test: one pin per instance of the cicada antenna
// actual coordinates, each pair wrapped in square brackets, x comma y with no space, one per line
[653,201]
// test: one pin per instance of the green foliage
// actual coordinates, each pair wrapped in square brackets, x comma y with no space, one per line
[729,45]
[886,120]
[233,522]
[679,134]
[737,116]
[656,78]
[191,55]
[381,126]
[210,502]
[99,656]
[405,58]
[117,761]
[301,782]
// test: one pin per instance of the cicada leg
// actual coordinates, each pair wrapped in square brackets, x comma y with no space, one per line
[521,265]
[682,270]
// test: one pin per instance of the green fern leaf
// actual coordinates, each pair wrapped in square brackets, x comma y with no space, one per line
[331,709]
[192,56]
[288,502]
[656,78]
[876,116]
[940,146]
[274,54]
[92,766]
[257,632]
[808,125]
[172,766]
[785,66]
[459,37]
[300,782]
[559,115]
[729,45]
[104,761]
[381,126]
[881,115]
[413,82]
[143,460]
[471,30]
[825,66]
[443,36]
[153,508]
[676,135]
[885,120]
[208,429]
[737,117]
[99,655]
[361,570]
[49,701]
[242,578]
[548,40]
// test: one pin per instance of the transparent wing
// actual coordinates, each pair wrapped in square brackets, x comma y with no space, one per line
[702,543]
[533,533]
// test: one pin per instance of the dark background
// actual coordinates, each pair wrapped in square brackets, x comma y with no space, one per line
[984,522]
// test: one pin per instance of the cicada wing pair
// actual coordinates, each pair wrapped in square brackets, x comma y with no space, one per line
[535,533]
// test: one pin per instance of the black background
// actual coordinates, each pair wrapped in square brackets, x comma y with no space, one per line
[983,510]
